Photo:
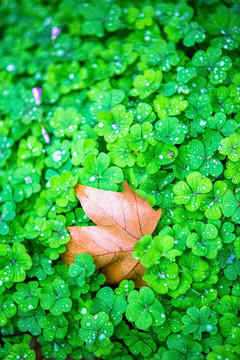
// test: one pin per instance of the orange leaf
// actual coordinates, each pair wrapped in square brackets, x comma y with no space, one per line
[121,219]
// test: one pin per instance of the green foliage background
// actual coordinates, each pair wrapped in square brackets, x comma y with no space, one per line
[143,92]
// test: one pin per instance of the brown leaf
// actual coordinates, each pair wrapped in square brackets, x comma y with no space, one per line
[121,219]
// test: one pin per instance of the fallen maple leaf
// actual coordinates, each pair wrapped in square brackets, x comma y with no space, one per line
[121,219]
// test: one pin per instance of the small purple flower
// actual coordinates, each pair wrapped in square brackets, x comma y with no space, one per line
[37,92]
[45,135]
[55,32]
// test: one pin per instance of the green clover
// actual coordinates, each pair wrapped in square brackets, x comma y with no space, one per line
[193,33]
[140,136]
[195,266]
[221,100]
[100,17]
[97,173]
[227,233]
[125,287]
[105,100]
[170,130]
[162,246]
[141,250]
[140,343]
[54,327]
[26,296]
[5,149]
[41,267]
[7,309]
[198,321]
[165,106]
[182,347]
[58,234]
[224,26]
[144,309]
[114,124]
[27,181]
[214,62]
[231,206]
[20,351]
[146,84]
[96,330]
[232,171]
[187,192]
[219,122]
[82,149]
[28,149]
[120,152]
[82,268]
[199,109]
[59,349]
[58,154]
[109,303]
[62,188]
[156,156]
[78,217]
[202,157]
[143,112]
[55,297]
[141,18]
[181,168]
[119,56]
[179,235]
[29,321]
[161,54]
[7,214]
[230,146]
[163,276]
[222,351]
[14,265]
[205,240]
[212,202]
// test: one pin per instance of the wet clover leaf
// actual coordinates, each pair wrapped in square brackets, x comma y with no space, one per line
[113,305]
[55,297]
[100,17]
[82,268]
[97,173]
[146,84]
[202,157]
[212,202]
[96,331]
[198,321]
[54,327]
[114,124]
[204,241]
[15,264]
[165,106]
[143,112]
[26,296]
[7,309]
[230,146]
[7,214]
[140,343]
[213,61]
[62,188]
[65,121]
[187,192]
[121,154]
[140,136]
[82,149]
[163,276]
[144,309]
[170,130]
